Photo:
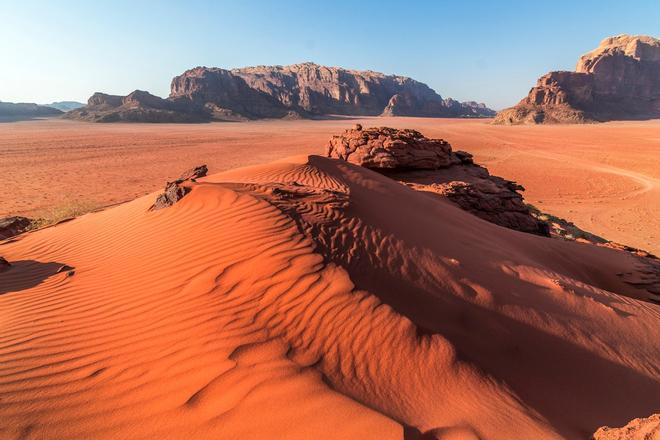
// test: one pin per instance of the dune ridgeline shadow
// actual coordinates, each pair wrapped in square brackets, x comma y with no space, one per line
[541,367]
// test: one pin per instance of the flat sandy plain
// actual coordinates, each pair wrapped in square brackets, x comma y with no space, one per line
[603,177]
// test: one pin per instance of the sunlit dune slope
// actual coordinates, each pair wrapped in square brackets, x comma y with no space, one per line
[310,298]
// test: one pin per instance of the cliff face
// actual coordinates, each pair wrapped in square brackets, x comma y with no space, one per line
[222,92]
[296,91]
[618,80]
[308,89]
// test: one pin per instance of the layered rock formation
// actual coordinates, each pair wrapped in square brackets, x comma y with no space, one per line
[176,190]
[430,165]
[138,106]
[389,148]
[304,90]
[618,80]
[637,429]
[10,226]
[311,89]
[9,110]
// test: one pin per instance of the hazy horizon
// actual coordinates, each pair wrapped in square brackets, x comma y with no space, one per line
[483,52]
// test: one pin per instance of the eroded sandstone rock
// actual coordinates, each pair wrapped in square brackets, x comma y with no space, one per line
[172,194]
[637,429]
[290,92]
[176,190]
[193,173]
[499,204]
[308,89]
[4,264]
[389,148]
[10,226]
[618,80]
[138,106]
[430,165]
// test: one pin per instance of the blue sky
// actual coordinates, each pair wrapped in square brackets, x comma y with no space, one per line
[490,51]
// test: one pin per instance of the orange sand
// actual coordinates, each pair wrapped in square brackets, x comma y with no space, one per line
[603,177]
[354,307]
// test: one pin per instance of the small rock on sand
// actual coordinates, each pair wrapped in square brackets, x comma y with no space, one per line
[174,191]
[10,226]
[193,173]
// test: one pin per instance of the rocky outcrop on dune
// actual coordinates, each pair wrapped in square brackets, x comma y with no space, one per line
[10,226]
[618,80]
[176,190]
[304,90]
[173,193]
[9,110]
[430,165]
[389,148]
[638,429]
[646,277]
[193,173]
[493,199]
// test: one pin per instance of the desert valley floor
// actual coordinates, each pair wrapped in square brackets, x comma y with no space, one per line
[603,177]
[289,295]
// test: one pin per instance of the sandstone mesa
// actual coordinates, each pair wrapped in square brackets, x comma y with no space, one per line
[304,90]
[618,80]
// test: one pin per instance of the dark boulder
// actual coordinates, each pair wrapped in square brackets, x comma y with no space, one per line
[10,226]
[175,191]
[193,173]
[389,148]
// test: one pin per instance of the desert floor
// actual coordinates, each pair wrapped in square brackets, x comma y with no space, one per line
[603,177]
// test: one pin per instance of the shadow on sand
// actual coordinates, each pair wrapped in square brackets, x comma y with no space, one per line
[25,274]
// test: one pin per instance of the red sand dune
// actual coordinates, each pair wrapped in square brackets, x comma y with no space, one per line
[344,306]
[603,177]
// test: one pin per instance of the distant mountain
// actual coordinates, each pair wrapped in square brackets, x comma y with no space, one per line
[65,106]
[138,106]
[304,90]
[618,80]
[12,111]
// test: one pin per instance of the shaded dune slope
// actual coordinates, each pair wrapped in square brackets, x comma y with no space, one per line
[280,300]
